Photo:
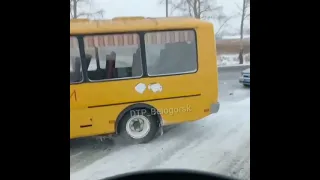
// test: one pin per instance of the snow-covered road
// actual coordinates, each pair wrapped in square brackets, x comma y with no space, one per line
[219,143]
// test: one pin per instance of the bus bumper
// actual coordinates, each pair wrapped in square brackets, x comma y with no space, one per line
[215,107]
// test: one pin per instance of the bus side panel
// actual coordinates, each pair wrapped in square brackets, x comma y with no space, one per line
[103,120]
[79,116]
[180,100]
[172,111]
[208,68]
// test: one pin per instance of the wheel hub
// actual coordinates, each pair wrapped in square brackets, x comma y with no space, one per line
[138,126]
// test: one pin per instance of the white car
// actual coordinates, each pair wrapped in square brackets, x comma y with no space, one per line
[245,77]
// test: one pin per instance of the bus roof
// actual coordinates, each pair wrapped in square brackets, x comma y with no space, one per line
[131,24]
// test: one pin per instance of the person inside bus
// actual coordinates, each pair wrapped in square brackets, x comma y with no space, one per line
[137,64]
[75,71]
[110,65]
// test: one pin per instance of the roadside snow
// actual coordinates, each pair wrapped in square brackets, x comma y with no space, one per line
[232,59]
[218,143]
[235,37]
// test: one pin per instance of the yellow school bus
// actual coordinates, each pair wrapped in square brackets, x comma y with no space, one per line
[133,75]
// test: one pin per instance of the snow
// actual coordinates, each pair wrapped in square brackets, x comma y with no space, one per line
[232,59]
[235,37]
[222,60]
[211,144]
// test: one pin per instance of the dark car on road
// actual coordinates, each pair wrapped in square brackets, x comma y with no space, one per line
[245,77]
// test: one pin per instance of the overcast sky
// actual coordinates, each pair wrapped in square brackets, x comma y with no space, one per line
[152,8]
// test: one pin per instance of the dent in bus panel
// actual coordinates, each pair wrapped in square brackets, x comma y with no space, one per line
[113,56]
[171,52]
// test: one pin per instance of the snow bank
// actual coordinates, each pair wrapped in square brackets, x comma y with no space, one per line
[235,37]
[232,59]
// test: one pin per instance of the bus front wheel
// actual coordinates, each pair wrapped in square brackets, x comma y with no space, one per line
[139,126]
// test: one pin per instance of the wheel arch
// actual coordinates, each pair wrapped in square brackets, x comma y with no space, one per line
[132,107]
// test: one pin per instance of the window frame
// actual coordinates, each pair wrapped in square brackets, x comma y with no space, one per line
[113,79]
[178,73]
[81,62]
[141,35]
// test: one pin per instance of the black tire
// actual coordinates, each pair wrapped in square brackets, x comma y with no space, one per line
[154,127]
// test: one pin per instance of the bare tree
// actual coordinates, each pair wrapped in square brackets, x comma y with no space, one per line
[244,15]
[223,23]
[76,13]
[200,9]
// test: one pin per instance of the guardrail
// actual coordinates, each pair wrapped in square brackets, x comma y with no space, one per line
[239,67]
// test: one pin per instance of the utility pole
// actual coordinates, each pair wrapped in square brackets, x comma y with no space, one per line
[166,8]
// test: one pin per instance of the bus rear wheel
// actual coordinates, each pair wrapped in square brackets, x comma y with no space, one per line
[139,128]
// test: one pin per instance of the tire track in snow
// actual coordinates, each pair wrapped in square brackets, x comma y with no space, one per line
[92,149]
[219,146]
[239,163]
[208,144]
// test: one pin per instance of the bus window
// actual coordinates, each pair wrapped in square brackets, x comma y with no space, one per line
[176,57]
[75,62]
[116,55]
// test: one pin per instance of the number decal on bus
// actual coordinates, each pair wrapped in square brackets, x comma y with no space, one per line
[73,95]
